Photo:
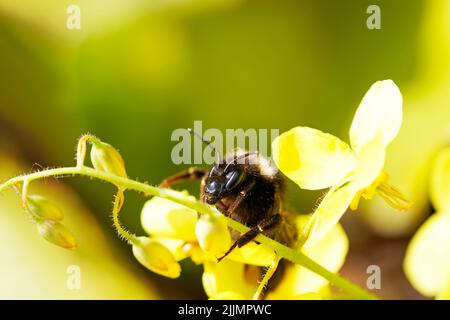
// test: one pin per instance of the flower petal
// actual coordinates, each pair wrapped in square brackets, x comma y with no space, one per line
[227,276]
[308,296]
[213,235]
[440,181]
[311,158]
[165,218]
[254,254]
[369,162]
[176,246]
[227,295]
[330,210]
[379,111]
[156,257]
[445,294]
[330,252]
[427,261]
[303,296]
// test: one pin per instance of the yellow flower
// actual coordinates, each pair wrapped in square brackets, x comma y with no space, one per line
[156,257]
[173,225]
[203,239]
[165,218]
[228,276]
[427,261]
[317,160]
[229,279]
[179,230]
[213,235]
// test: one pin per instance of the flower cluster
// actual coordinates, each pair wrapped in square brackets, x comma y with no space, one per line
[186,235]
[314,160]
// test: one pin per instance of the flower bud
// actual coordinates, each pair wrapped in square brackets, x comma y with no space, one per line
[43,208]
[56,233]
[106,158]
[212,234]
[156,257]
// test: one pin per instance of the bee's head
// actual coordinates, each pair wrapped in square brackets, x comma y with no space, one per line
[223,179]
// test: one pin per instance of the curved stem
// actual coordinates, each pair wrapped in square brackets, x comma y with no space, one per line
[269,273]
[117,206]
[282,251]
[81,147]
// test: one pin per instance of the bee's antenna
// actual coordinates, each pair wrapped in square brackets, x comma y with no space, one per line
[242,156]
[208,144]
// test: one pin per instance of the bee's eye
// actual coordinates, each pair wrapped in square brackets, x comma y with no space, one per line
[212,187]
[233,179]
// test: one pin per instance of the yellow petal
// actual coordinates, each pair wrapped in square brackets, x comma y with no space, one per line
[227,276]
[369,162]
[213,235]
[445,294]
[303,296]
[227,295]
[379,111]
[156,257]
[164,218]
[254,254]
[330,210]
[308,296]
[427,261]
[176,246]
[330,252]
[440,181]
[311,158]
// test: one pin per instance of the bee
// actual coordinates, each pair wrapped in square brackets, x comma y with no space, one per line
[246,187]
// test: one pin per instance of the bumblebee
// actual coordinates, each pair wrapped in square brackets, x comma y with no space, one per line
[246,187]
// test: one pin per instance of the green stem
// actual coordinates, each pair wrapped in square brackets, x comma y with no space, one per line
[298,257]
[295,256]
[269,273]
[117,206]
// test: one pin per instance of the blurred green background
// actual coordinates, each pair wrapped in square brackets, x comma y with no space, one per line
[138,69]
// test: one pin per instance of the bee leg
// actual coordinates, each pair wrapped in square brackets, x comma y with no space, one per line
[242,195]
[193,173]
[264,225]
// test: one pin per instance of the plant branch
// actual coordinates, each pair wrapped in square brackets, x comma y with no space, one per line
[295,256]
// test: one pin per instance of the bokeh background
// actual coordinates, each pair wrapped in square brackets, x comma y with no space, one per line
[138,69]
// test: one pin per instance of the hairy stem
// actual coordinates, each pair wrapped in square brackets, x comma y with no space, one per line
[295,256]
[269,273]
[117,206]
